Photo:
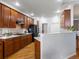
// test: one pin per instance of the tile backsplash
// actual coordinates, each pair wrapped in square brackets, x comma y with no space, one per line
[11,30]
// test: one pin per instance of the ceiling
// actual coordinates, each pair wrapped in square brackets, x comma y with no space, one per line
[40,8]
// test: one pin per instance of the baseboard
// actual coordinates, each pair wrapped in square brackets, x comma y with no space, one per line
[71,55]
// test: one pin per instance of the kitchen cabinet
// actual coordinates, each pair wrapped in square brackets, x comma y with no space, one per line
[23,41]
[1,19]
[37,49]
[30,21]
[1,50]
[20,16]
[26,22]
[77,42]
[12,23]
[66,19]
[29,37]
[8,47]
[17,43]
[6,16]
[9,16]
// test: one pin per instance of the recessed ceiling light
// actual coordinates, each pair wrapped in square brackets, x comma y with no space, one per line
[58,11]
[59,0]
[32,14]
[17,4]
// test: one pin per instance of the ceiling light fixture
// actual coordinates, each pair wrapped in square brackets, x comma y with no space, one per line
[32,14]
[59,0]
[58,11]
[17,4]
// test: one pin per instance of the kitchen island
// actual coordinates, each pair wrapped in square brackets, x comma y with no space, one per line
[13,43]
[60,45]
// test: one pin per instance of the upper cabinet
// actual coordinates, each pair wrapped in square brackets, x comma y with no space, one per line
[10,17]
[1,19]
[66,18]
[30,21]
[13,19]
[6,16]
[20,16]
[26,22]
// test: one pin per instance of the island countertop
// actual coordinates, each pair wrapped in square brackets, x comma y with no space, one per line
[59,45]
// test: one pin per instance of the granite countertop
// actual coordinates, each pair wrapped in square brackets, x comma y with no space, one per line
[40,37]
[12,36]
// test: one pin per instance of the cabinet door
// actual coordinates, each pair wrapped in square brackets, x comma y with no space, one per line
[1,50]
[37,49]
[26,22]
[30,21]
[17,44]
[29,38]
[8,47]
[13,19]
[1,19]
[6,15]
[67,20]
[19,16]
[24,41]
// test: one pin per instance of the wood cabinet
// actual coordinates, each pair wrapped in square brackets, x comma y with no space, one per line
[8,47]
[17,44]
[20,16]
[12,23]
[1,18]
[26,22]
[1,50]
[77,42]
[30,21]
[6,16]
[37,49]
[12,45]
[23,41]
[29,37]
[66,18]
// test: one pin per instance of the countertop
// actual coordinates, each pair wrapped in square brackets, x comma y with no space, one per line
[12,36]
[42,35]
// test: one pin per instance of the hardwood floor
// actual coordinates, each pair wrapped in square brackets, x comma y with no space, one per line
[76,56]
[27,52]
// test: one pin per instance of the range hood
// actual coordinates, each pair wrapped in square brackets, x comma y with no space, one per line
[19,21]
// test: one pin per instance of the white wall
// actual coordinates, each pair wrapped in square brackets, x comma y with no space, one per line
[53,23]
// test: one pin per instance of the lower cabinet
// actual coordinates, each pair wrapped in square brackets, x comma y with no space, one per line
[29,37]
[23,41]
[1,50]
[37,49]
[17,42]
[8,47]
[13,45]
[77,42]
